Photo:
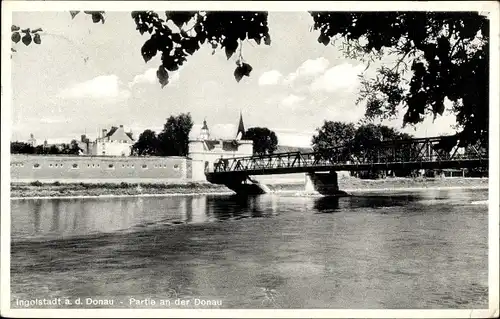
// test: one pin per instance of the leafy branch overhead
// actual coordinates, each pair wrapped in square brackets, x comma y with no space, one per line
[439,55]
[28,37]
[33,35]
[188,31]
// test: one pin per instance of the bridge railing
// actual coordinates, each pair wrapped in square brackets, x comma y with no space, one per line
[387,152]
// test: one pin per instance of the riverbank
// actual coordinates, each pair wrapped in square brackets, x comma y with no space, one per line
[349,184]
[25,190]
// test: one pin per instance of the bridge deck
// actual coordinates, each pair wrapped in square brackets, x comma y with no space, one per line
[422,153]
[354,167]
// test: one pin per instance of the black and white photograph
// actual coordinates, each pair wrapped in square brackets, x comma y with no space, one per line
[250,159]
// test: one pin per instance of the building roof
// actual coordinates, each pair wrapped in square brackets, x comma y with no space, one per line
[118,130]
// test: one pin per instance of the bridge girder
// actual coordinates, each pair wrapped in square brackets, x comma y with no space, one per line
[426,153]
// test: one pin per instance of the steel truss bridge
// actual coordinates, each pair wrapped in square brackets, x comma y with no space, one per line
[420,153]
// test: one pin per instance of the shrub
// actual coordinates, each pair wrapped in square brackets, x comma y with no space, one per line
[36,183]
[125,185]
[56,183]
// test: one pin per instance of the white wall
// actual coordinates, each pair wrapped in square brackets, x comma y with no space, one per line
[111,148]
[200,156]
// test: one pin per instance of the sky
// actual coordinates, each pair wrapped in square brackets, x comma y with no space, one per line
[295,85]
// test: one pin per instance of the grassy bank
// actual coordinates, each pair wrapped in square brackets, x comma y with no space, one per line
[420,182]
[353,184]
[38,189]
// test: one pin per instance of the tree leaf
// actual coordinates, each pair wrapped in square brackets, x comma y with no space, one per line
[37,39]
[97,17]
[179,18]
[238,73]
[73,14]
[438,108]
[324,39]
[267,39]
[247,68]
[149,49]
[162,75]
[16,37]
[37,30]
[26,39]
[241,70]
[14,28]
[230,47]
[191,45]
[169,62]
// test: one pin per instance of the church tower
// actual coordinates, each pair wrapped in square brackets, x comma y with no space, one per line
[204,133]
[32,140]
[240,135]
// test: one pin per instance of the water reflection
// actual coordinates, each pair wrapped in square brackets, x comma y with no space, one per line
[55,218]
[327,204]
[58,217]
[402,250]
[234,207]
[330,204]
[379,201]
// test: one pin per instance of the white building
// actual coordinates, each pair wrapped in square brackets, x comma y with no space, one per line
[32,140]
[206,150]
[116,142]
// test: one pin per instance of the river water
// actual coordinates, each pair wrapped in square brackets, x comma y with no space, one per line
[418,249]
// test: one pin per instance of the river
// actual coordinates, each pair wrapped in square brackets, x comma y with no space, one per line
[418,249]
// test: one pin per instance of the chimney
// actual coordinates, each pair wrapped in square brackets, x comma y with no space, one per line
[83,137]
[121,126]
[104,132]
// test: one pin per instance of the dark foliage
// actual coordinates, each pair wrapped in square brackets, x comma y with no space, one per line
[174,139]
[147,144]
[440,55]
[264,140]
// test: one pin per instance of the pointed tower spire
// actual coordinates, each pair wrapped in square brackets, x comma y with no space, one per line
[204,133]
[241,129]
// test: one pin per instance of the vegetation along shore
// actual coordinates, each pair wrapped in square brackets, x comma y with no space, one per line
[56,189]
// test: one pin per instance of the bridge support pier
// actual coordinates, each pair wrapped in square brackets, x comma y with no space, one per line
[324,183]
[242,185]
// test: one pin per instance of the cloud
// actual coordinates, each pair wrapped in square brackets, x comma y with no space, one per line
[52,120]
[101,87]
[342,76]
[429,127]
[308,68]
[292,99]
[217,131]
[289,137]
[149,77]
[270,77]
